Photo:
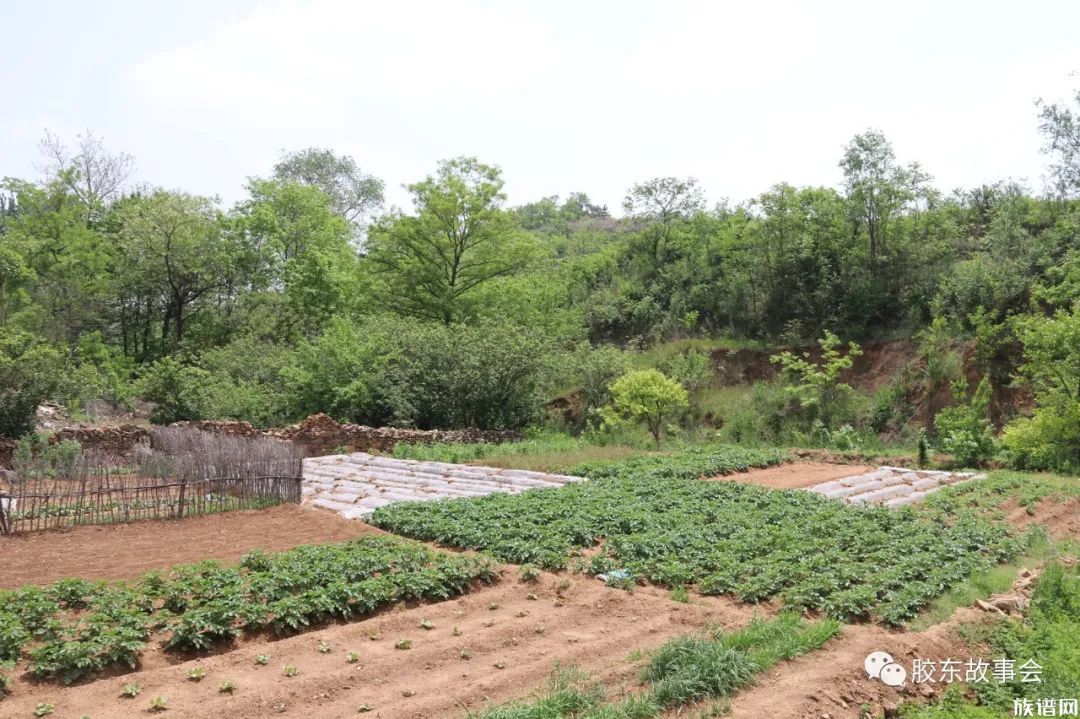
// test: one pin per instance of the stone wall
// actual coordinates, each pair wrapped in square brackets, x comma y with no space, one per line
[318,435]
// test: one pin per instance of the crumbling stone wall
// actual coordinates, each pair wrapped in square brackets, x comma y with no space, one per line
[318,435]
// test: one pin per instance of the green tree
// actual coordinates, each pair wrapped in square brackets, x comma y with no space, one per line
[964,430]
[645,396]
[1060,125]
[298,245]
[353,194]
[878,188]
[1050,438]
[427,264]
[660,206]
[30,371]
[177,258]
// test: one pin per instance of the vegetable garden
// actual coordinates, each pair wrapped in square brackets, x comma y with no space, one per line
[75,628]
[659,525]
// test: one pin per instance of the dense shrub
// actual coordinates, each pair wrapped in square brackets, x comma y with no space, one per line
[1050,439]
[964,429]
[30,371]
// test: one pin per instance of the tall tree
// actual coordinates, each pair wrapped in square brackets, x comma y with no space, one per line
[354,194]
[1061,127]
[299,247]
[878,188]
[659,206]
[459,238]
[175,256]
[93,174]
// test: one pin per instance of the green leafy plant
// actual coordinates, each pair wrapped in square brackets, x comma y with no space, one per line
[43,709]
[196,674]
[132,690]
[262,659]
[964,430]
[227,686]
[290,671]
[813,386]
[158,704]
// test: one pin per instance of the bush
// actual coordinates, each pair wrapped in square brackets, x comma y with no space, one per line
[180,391]
[29,374]
[418,374]
[964,430]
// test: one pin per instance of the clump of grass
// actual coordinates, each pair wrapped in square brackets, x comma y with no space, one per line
[679,594]
[529,573]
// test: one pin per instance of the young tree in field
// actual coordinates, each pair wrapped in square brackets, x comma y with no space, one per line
[354,194]
[646,396]
[814,385]
[426,265]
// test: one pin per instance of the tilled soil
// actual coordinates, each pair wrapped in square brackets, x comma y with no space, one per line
[489,646]
[1060,517]
[795,475]
[832,684]
[121,551]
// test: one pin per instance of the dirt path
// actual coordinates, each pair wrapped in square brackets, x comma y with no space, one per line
[831,683]
[119,551]
[795,475]
[505,647]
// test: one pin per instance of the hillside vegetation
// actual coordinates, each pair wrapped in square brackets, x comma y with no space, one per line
[462,311]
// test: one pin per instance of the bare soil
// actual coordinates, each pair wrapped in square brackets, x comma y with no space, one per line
[795,475]
[831,683]
[122,551]
[487,647]
[1061,518]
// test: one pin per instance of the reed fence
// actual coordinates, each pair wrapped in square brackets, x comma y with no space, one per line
[189,473]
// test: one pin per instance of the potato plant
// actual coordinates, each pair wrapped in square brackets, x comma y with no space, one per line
[73,628]
[657,523]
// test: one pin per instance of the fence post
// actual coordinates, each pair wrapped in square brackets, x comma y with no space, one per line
[180,503]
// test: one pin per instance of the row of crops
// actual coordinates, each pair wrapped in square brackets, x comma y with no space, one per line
[656,522]
[75,627]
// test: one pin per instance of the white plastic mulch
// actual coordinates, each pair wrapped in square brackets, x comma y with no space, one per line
[890,486]
[354,485]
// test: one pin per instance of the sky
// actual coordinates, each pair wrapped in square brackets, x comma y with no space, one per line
[564,96]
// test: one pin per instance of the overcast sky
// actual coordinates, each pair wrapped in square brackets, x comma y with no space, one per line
[564,96]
